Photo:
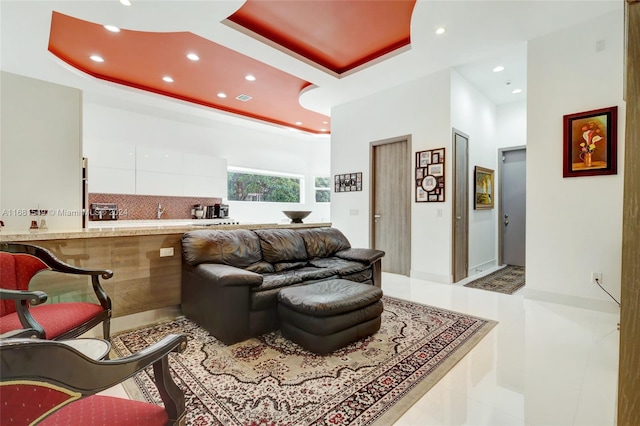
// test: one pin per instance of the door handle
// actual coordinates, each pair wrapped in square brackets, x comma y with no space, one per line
[459,217]
[376,217]
[506,219]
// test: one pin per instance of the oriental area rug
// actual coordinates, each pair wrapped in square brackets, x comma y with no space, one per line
[506,280]
[272,381]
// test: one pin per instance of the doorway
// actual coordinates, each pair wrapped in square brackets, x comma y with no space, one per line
[512,174]
[391,184]
[460,206]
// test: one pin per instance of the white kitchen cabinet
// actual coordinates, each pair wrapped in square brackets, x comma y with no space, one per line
[111,180]
[110,155]
[156,183]
[204,165]
[157,160]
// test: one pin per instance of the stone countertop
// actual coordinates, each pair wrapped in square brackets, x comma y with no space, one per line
[119,231]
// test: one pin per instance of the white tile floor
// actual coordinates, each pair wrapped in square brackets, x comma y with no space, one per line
[543,364]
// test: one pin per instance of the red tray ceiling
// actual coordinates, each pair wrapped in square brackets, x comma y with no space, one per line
[337,35]
[141,59]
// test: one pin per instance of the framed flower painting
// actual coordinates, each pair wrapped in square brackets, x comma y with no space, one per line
[590,143]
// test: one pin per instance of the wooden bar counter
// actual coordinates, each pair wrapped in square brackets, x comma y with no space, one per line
[142,279]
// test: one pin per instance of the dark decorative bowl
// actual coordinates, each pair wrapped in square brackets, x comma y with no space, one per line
[296,216]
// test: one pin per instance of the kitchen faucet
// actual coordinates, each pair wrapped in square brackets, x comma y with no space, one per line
[160,210]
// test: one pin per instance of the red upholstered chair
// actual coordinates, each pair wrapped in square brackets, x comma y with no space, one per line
[50,383]
[21,308]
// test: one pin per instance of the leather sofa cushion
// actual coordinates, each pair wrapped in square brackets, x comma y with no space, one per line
[365,276]
[331,297]
[285,266]
[237,247]
[323,242]
[342,266]
[261,267]
[311,273]
[277,280]
[281,245]
[266,295]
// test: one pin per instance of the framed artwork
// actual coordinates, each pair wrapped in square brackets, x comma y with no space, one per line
[430,176]
[348,182]
[483,188]
[590,143]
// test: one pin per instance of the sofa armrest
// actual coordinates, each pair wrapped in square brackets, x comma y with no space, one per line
[226,275]
[363,255]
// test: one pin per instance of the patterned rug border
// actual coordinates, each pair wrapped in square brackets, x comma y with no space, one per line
[133,385]
[413,396]
[490,282]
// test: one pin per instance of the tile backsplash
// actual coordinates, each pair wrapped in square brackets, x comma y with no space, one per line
[145,207]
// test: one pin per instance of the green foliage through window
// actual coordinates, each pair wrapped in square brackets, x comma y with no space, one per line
[266,188]
[323,190]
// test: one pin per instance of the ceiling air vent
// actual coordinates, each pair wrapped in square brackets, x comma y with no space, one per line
[243,98]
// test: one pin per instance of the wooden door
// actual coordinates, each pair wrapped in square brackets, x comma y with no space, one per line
[460,205]
[629,373]
[391,203]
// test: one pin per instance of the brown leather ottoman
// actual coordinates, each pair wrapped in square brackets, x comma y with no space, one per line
[328,315]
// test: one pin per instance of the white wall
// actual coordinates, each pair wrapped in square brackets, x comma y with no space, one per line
[420,109]
[129,125]
[41,153]
[426,109]
[573,224]
[511,124]
[473,114]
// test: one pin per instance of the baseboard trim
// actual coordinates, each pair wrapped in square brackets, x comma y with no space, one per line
[483,267]
[575,301]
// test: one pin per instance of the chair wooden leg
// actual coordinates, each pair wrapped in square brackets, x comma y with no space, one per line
[106,329]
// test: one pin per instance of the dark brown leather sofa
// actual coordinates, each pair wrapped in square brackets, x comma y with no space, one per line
[231,279]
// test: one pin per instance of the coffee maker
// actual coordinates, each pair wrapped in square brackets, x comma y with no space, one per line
[221,211]
[209,212]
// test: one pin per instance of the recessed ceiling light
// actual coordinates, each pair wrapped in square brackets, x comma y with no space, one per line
[325,122]
[516,91]
[498,68]
[222,95]
[112,28]
[193,56]
[440,31]
[125,2]
[96,58]
[249,77]
[167,79]
[298,123]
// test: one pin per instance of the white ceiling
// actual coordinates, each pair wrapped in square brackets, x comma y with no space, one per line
[480,35]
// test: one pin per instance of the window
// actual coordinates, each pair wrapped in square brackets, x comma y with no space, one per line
[323,190]
[262,186]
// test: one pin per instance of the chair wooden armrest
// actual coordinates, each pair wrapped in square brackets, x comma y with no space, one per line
[24,298]
[49,363]
[71,320]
